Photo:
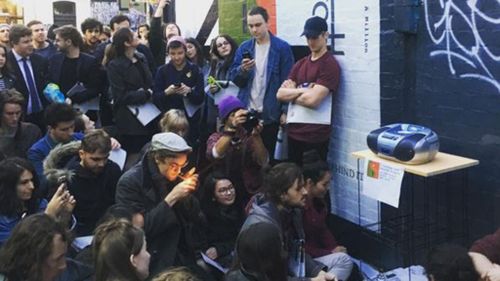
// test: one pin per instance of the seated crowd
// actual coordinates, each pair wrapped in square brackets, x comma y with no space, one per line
[201,196]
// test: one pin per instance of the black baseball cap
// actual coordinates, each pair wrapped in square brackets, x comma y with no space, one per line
[314,27]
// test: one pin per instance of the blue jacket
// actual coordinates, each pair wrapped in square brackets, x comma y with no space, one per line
[279,63]
[39,151]
[7,224]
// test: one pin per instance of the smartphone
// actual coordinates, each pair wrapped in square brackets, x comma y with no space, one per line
[177,85]
[247,55]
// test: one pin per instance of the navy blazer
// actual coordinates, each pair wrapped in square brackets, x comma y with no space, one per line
[39,65]
[87,73]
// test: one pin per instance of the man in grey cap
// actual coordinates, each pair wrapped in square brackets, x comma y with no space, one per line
[156,186]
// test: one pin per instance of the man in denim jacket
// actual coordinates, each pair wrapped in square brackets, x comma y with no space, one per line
[260,65]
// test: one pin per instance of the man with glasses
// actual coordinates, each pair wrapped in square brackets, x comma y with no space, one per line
[310,85]
[157,186]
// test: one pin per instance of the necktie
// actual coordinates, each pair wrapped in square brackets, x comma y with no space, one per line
[34,104]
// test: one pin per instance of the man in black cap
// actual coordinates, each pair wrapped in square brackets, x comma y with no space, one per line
[309,89]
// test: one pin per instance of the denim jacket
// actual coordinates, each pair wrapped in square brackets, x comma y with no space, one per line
[279,63]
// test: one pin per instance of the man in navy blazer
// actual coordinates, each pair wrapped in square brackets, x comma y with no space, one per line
[71,66]
[30,73]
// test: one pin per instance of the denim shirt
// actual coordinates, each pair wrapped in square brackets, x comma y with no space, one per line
[279,63]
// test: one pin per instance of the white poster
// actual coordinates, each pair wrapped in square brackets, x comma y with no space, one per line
[382,181]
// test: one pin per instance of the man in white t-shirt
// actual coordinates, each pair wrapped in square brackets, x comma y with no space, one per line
[260,65]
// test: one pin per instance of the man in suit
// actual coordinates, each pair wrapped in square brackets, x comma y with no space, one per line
[71,66]
[30,71]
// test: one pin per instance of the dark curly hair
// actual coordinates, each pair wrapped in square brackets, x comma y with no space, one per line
[11,170]
[23,256]
[278,179]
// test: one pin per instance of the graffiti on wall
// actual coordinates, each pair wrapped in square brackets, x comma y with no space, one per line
[462,32]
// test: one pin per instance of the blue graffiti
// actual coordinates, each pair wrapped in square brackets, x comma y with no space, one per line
[478,54]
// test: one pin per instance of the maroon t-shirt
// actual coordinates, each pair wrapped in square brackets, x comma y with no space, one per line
[324,71]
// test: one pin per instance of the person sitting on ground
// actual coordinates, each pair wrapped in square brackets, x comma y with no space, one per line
[259,255]
[115,212]
[319,241]
[120,252]
[37,251]
[16,137]
[83,124]
[485,254]
[239,151]
[283,195]
[224,215]
[19,196]
[94,179]
[170,211]
[60,120]
[449,262]
[176,274]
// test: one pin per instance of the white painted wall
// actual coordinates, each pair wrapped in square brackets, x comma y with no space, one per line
[42,10]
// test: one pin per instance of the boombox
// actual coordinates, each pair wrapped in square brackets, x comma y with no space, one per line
[406,143]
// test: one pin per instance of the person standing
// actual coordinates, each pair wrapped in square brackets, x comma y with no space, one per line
[30,71]
[71,67]
[91,29]
[311,83]
[42,45]
[4,35]
[260,65]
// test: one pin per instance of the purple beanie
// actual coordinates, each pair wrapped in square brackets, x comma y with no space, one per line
[228,105]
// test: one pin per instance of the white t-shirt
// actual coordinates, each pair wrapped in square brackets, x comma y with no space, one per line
[259,81]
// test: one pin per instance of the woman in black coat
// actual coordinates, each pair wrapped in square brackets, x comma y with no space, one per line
[224,216]
[130,83]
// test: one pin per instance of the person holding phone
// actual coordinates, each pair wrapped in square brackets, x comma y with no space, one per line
[179,85]
[260,65]
[157,186]
[19,188]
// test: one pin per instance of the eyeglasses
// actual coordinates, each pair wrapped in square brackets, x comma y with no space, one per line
[222,44]
[226,190]
[177,166]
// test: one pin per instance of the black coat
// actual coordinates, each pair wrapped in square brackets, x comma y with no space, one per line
[94,194]
[169,230]
[87,73]
[129,87]
[40,70]
[222,228]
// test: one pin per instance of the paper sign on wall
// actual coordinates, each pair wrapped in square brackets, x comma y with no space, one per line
[382,181]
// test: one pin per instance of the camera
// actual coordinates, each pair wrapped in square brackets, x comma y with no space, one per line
[252,121]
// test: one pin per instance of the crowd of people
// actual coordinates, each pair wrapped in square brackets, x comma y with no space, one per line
[201,196]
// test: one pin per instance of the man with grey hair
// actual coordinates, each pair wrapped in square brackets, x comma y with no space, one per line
[157,186]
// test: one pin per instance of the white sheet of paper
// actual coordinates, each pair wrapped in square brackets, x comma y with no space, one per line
[213,263]
[319,115]
[92,104]
[382,181]
[82,241]
[231,90]
[191,108]
[145,113]
[118,156]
